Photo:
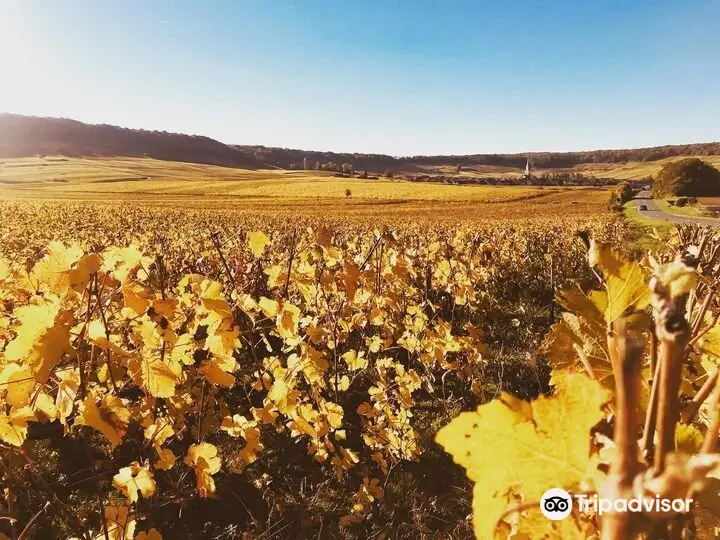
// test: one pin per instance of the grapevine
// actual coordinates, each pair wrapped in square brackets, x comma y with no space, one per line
[175,366]
[636,410]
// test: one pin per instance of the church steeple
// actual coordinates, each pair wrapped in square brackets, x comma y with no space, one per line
[528,169]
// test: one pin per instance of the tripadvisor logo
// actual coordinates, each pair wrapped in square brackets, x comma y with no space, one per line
[556,504]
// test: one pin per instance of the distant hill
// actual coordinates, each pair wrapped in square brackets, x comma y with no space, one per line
[23,136]
[285,157]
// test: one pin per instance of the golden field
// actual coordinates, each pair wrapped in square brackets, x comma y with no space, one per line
[257,375]
[192,351]
[279,192]
[341,330]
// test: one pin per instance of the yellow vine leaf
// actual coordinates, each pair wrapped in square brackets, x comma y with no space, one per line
[580,338]
[157,377]
[96,334]
[183,350]
[578,341]
[18,383]
[249,453]
[626,283]
[236,425]
[124,263]
[268,307]
[119,524]
[239,426]
[42,338]
[51,271]
[134,479]
[287,321]
[344,461]
[79,275]
[282,396]
[350,277]
[323,236]
[166,308]
[44,408]
[278,392]
[342,385]
[602,255]
[257,240]
[710,341]
[266,415]
[14,426]
[102,419]
[66,392]
[355,360]
[313,365]
[166,459]
[136,297]
[218,305]
[223,342]
[205,459]
[215,371]
[510,446]
[248,305]
[370,490]
[277,275]
[333,412]
[589,306]
[300,424]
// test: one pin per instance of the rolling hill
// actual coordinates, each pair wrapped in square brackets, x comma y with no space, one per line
[25,136]
[285,157]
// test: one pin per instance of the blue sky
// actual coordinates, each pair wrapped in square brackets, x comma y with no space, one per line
[396,76]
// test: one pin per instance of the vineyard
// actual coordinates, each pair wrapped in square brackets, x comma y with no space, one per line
[184,372]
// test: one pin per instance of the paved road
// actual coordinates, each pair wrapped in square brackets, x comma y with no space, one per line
[653,212]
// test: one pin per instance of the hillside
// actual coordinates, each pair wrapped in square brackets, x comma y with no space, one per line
[285,157]
[25,136]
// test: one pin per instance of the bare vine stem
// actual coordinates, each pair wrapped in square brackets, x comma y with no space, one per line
[691,409]
[626,356]
[651,413]
[673,334]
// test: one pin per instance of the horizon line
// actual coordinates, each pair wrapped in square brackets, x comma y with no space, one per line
[395,156]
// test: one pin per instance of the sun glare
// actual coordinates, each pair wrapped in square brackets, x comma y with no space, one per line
[21,68]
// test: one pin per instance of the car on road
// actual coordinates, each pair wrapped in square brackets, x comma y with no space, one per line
[642,207]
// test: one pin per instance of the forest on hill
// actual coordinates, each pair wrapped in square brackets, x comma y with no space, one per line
[285,157]
[23,136]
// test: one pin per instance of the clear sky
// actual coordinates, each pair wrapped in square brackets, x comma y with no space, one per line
[395,76]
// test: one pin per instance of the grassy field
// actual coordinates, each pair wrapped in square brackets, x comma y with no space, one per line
[703,208]
[689,210]
[641,236]
[148,181]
